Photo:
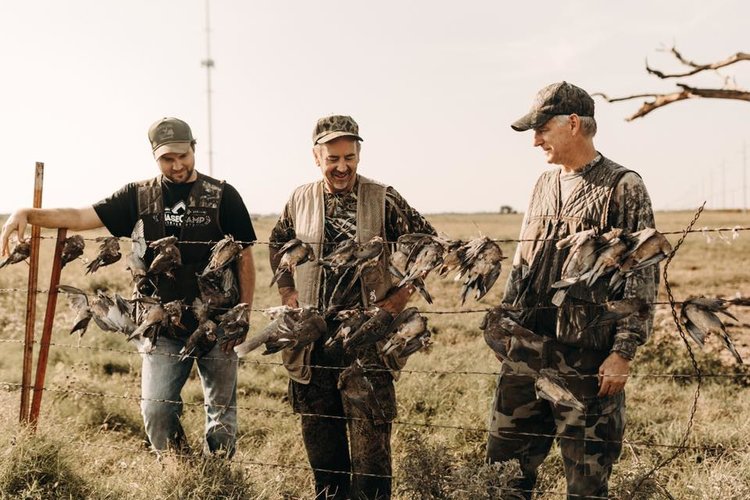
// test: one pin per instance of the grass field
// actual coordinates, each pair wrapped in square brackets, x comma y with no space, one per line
[89,443]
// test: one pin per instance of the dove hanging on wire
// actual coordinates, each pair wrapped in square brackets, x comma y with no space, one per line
[109,253]
[374,329]
[234,323]
[423,258]
[269,335]
[615,310]
[608,256]
[168,257]
[157,318]
[551,387]
[203,338]
[647,247]
[364,256]
[293,253]
[79,303]
[135,258]
[223,253]
[341,256]
[579,263]
[72,249]
[480,268]
[351,320]
[308,327]
[20,252]
[219,288]
[699,315]
[397,268]
[407,326]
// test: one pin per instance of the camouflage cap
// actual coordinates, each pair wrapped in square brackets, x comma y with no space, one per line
[170,135]
[331,127]
[560,98]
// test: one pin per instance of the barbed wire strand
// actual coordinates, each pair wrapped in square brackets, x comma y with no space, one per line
[703,230]
[694,407]
[373,369]
[429,425]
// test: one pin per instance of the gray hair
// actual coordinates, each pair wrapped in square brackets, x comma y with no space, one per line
[588,124]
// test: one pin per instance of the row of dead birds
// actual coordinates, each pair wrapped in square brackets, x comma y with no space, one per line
[295,328]
[477,263]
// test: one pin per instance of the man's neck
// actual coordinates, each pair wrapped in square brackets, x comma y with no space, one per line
[577,163]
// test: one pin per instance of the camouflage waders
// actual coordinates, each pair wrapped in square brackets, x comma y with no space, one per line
[522,427]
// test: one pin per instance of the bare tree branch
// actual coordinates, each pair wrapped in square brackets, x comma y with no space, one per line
[687,92]
[697,68]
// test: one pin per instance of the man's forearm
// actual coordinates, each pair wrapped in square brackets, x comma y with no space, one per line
[246,276]
[77,219]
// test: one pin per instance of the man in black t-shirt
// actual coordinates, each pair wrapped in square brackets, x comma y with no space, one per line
[195,208]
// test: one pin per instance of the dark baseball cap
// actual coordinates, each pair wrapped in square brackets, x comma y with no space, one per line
[170,135]
[561,98]
[332,127]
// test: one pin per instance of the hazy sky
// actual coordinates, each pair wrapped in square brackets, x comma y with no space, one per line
[434,86]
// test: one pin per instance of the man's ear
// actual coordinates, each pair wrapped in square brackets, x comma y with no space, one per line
[574,121]
[315,156]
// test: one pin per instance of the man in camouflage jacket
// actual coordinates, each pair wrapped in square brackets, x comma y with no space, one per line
[587,191]
[343,206]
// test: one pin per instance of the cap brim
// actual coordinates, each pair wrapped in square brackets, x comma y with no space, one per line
[530,121]
[335,135]
[172,147]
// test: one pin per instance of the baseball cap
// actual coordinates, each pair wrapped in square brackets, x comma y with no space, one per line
[332,127]
[170,135]
[560,98]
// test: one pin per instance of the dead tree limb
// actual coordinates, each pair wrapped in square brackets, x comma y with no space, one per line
[687,91]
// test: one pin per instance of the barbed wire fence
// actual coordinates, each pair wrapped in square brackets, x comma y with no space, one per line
[678,448]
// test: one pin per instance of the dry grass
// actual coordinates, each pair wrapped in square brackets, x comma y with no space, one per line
[92,447]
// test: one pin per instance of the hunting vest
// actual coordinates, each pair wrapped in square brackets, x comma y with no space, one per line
[306,206]
[548,220]
[200,223]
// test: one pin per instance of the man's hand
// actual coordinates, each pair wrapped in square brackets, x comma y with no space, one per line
[613,374]
[396,301]
[289,296]
[16,223]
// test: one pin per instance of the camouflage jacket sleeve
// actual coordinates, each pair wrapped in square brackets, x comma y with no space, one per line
[631,210]
[282,232]
[400,218]
[516,270]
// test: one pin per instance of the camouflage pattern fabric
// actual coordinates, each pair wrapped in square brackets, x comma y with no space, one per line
[334,126]
[327,440]
[560,98]
[522,426]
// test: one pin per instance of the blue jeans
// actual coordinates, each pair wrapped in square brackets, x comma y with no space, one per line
[164,376]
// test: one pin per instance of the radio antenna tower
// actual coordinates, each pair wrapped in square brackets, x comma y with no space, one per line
[208,63]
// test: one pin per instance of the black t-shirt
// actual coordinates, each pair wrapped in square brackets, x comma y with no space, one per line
[119,212]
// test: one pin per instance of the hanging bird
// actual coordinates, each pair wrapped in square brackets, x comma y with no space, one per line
[551,387]
[579,262]
[113,314]
[365,255]
[168,257]
[500,324]
[424,257]
[269,335]
[72,249]
[156,318]
[135,263]
[203,339]
[615,310]
[422,342]
[608,256]
[341,256]
[351,320]
[109,253]
[454,255]
[293,253]
[480,268]
[308,327]
[371,331]
[79,303]
[647,247]
[223,253]
[358,390]
[20,252]
[234,323]
[408,325]
[397,268]
[699,315]
[219,288]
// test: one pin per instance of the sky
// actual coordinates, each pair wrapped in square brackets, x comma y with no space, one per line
[434,86]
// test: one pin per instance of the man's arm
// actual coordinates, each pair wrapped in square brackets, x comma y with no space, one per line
[630,210]
[246,279]
[77,219]
[282,232]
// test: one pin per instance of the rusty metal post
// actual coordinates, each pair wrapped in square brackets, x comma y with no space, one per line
[28,343]
[49,318]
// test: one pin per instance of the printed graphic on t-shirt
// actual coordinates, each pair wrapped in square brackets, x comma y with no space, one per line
[177,216]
